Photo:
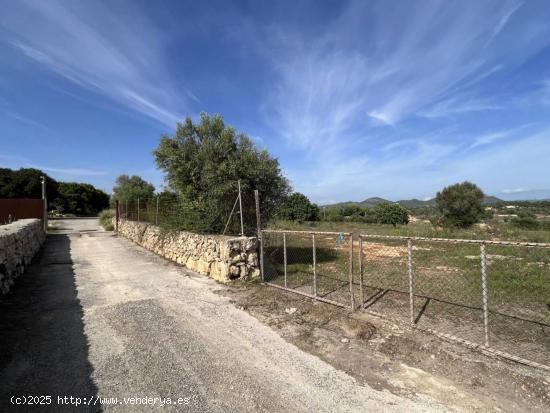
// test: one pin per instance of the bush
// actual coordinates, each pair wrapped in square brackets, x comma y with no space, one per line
[460,205]
[393,214]
[106,219]
[525,220]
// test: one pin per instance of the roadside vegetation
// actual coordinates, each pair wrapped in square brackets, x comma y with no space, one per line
[106,219]
[64,198]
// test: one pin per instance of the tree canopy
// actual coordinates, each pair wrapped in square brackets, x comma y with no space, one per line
[203,162]
[297,207]
[80,199]
[26,183]
[393,214]
[461,205]
[130,188]
[63,197]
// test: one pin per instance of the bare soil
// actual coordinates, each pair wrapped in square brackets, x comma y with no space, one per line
[395,358]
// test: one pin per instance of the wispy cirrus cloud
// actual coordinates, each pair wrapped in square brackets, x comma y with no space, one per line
[334,90]
[26,120]
[118,55]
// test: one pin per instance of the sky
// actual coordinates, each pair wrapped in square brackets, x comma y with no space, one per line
[395,99]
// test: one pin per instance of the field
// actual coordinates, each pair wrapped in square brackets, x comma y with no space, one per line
[448,293]
[492,229]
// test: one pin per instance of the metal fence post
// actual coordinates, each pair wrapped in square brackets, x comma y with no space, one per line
[44,204]
[241,207]
[411,278]
[126,215]
[485,293]
[314,267]
[259,230]
[361,293]
[157,212]
[138,210]
[352,298]
[117,214]
[284,255]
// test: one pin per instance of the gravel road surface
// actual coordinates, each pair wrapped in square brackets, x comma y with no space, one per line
[99,318]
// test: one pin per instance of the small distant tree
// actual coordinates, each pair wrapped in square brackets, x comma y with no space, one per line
[393,214]
[297,207]
[130,188]
[460,205]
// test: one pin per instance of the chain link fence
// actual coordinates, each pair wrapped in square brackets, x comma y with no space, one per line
[490,295]
[314,264]
[238,217]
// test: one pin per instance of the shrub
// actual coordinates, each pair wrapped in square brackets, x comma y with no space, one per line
[393,214]
[525,220]
[106,219]
[461,205]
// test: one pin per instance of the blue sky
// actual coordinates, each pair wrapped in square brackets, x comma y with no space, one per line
[362,98]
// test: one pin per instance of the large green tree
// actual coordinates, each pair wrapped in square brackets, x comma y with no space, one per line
[80,199]
[297,207]
[130,188]
[460,205]
[26,183]
[203,162]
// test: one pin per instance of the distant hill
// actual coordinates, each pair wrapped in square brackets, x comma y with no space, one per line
[407,203]
[370,202]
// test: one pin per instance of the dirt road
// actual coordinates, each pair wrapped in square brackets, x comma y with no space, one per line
[97,317]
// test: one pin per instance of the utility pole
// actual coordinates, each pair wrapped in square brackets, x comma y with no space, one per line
[44,203]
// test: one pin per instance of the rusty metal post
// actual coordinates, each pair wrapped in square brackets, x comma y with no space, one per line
[411,279]
[259,232]
[157,212]
[284,256]
[352,298]
[138,209]
[117,215]
[314,266]
[485,293]
[126,215]
[361,292]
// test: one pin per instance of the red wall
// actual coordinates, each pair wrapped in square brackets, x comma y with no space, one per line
[20,209]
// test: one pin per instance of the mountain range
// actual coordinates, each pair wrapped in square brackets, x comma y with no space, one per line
[407,203]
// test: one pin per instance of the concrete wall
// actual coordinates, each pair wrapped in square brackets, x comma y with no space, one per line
[19,243]
[221,257]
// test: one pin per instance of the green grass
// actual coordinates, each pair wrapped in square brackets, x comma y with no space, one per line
[494,229]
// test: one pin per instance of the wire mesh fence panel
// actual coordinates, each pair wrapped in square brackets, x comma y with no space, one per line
[519,301]
[448,294]
[384,282]
[311,263]
[332,253]
[273,258]
[299,268]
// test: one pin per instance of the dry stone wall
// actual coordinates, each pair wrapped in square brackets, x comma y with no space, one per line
[221,257]
[19,243]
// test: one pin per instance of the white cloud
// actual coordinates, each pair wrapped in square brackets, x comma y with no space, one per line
[118,55]
[515,190]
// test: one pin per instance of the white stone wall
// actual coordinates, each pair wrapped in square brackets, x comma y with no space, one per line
[221,257]
[19,243]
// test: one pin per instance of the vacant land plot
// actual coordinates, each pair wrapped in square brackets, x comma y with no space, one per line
[447,284]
